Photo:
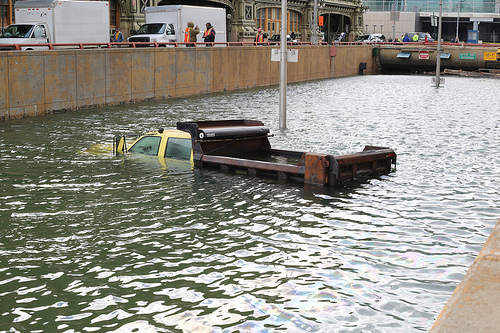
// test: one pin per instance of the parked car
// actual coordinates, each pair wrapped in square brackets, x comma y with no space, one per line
[277,38]
[371,38]
[421,36]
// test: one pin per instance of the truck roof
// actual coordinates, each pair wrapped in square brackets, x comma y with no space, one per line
[39,3]
[35,3]
[161,8]
[169,8]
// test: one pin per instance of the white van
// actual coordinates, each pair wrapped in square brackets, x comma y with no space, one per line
[167,23]
[57,21]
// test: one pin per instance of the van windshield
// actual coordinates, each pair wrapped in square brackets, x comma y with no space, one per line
[154,29]
[17,31]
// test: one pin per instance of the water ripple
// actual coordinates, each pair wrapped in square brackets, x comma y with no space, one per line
[133,244]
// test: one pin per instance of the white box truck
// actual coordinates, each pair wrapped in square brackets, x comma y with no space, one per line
[58,21]
[168,23]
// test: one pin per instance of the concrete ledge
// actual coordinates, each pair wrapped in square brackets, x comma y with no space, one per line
[474,305]
[39,82]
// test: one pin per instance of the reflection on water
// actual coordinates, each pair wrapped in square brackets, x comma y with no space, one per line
[92,242]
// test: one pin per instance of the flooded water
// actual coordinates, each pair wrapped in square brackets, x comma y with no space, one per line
[96,243]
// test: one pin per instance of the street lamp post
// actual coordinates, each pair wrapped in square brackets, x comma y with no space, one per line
[283,65]
[314,25]
[393,22]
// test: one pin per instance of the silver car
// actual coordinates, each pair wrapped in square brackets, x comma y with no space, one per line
[372,38]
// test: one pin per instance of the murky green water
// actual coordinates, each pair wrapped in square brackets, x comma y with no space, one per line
[95,243]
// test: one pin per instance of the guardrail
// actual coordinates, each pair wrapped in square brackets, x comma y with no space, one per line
[52,46]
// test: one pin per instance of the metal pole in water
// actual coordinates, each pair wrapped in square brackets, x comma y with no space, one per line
[283,64]
[438,59]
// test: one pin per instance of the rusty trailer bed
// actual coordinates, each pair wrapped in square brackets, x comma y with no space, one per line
[243,145]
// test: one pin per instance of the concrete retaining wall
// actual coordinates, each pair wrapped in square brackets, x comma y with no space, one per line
[40,82]
[473,307]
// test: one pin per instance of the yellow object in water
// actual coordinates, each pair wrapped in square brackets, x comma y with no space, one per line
[120,146]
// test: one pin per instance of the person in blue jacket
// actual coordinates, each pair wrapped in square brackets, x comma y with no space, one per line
[406,39]
[117,36]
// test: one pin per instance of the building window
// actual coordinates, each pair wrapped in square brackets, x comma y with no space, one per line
[114,14]
[7,12]
[269,20]
[4,10]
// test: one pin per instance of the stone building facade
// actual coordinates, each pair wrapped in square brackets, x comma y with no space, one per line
[244,17]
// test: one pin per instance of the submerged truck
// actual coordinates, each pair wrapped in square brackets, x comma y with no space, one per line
[166,24]
[57,21]
[242,146]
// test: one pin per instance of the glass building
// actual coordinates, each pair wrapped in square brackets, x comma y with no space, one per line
[466,6]
[460,18]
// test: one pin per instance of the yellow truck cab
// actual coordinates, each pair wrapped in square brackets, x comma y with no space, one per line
[162,143]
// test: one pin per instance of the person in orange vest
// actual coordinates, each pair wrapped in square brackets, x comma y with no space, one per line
[209,35]
[260,36]
[190,33]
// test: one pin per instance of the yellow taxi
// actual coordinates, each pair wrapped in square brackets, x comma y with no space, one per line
[163,143]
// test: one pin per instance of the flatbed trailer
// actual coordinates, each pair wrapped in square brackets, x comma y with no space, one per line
[243,145]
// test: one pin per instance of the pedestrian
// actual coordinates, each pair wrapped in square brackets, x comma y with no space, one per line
[209,35]
[415,37]
[190,33]
[117,36]
[260,36]
[340,37]
[406,38]
[292,36]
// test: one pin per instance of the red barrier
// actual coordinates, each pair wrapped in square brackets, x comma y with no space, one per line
[53,46]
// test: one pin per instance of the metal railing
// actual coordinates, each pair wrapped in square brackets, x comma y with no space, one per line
[112,45]
[52,46]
